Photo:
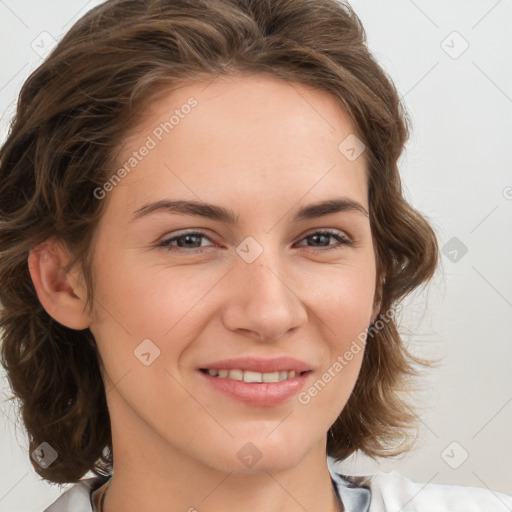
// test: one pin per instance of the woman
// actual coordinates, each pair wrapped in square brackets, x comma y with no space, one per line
[233,372]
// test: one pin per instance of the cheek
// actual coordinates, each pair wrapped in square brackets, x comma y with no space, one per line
[146,299]
[344,309]
[343,297]
[145,320]
[148,312]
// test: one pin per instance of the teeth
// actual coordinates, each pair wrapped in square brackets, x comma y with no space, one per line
[283,376]
[272,377]
[253,376]
[236,374]
[250,376]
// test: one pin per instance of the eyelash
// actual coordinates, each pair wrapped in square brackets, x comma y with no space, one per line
[343,241]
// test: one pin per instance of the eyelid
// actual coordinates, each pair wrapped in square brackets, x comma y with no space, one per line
[180,233]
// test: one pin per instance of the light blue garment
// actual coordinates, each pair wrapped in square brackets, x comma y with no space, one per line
[380,492]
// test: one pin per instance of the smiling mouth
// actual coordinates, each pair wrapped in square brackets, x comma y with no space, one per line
[253,377]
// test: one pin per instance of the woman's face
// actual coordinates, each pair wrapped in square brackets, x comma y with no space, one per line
[261,286]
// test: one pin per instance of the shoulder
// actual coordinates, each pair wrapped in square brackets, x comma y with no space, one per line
[77,498]
[393,491]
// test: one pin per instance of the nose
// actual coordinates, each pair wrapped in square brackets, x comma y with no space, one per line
[264,300]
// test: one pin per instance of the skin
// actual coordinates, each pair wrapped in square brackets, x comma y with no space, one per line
[263,148]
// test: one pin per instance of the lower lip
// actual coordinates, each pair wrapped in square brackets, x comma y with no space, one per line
[261,394]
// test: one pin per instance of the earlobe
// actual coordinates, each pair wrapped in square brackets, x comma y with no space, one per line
[58,293]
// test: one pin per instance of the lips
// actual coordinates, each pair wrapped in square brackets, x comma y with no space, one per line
[254,364]
[256,381]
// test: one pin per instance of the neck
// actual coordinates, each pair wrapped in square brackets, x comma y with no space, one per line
[276,495]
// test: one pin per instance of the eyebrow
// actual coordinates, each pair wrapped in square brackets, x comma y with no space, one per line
[226,215]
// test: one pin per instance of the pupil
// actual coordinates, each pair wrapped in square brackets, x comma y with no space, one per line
[187,238]
[321,236]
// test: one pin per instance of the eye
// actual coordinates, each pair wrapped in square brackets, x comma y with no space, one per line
[184,240]
[326,235]
[191,241]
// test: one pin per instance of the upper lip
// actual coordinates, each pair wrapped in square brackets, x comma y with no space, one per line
[257,364]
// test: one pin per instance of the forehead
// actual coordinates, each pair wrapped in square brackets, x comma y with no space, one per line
[257,139]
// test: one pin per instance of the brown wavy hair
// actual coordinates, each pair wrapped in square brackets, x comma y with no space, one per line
[73,113]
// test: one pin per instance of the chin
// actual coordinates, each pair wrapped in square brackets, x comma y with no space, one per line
[257,454]
[268,463]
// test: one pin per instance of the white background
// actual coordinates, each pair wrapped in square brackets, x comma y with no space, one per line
[456,170]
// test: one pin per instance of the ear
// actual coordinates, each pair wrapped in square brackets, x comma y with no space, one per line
[58,291]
